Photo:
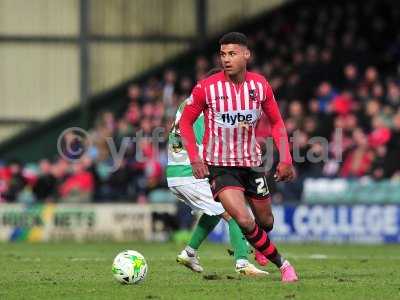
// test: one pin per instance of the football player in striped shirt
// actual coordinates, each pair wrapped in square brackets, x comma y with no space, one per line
[232,101]
[196,193]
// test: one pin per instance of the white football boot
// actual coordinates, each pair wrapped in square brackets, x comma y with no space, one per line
[191,262]
[245,268]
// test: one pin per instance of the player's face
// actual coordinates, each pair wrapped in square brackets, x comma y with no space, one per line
[234,58]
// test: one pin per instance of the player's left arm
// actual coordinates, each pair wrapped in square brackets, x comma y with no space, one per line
[190,113]
[285,170]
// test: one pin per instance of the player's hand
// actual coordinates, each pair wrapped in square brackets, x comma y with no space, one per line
[200,169]
[284,172]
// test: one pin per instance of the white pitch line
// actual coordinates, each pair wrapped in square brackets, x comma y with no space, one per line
[312,256]
[86,259]
[325,256]
[318,256]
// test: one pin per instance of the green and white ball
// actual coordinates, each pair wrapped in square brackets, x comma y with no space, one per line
[129,267]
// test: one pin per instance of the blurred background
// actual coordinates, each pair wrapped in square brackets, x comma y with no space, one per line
[116,69]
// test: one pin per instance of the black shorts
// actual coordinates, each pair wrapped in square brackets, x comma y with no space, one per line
[251,182]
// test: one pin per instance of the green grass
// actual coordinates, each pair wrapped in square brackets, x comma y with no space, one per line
[83,271]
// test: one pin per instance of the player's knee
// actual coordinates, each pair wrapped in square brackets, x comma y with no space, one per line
[245,222]
[268,223]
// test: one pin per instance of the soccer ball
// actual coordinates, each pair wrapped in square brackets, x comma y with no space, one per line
[129,267]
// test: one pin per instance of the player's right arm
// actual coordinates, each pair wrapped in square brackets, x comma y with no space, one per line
[191,112]
[284,170]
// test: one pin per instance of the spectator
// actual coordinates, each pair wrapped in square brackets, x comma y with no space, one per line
[341,104]
[391,161]
[169,88]
[16,182]
[351,79]
[45,189]
[359,160]
[79,186]
[380,134]
[393,95]
[135,93]
[325,94]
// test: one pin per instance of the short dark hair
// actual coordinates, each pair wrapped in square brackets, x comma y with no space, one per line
[234,38]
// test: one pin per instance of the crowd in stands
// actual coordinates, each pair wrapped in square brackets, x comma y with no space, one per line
[335,72]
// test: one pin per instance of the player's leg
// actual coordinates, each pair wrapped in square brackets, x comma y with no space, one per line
[237,240]
[203,228]
[258,256]
[199,197]
[227,185]
[264,218]
[240,249]
[262,211]
[259,199]
[195,195]
[189,255]
[234,203]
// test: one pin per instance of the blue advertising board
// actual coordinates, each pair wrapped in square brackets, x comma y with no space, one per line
[330,223]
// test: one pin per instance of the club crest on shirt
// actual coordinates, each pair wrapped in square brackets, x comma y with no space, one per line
[176,143]
[253,95]
[175,139]
[245,125]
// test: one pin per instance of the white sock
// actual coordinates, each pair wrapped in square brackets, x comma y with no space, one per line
[190,251]
[241,262]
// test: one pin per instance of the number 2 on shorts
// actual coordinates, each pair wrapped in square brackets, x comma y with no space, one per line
[261,186]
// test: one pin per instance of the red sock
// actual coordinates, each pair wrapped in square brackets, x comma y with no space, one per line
[259,239]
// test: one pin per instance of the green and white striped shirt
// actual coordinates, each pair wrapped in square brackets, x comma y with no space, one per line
[179,170]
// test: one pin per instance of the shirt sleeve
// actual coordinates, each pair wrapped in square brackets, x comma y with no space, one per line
[195,105]
[278,130]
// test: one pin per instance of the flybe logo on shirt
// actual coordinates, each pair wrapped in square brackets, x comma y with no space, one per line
[237,118]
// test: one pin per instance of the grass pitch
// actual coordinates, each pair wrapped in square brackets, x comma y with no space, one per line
[83,271]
